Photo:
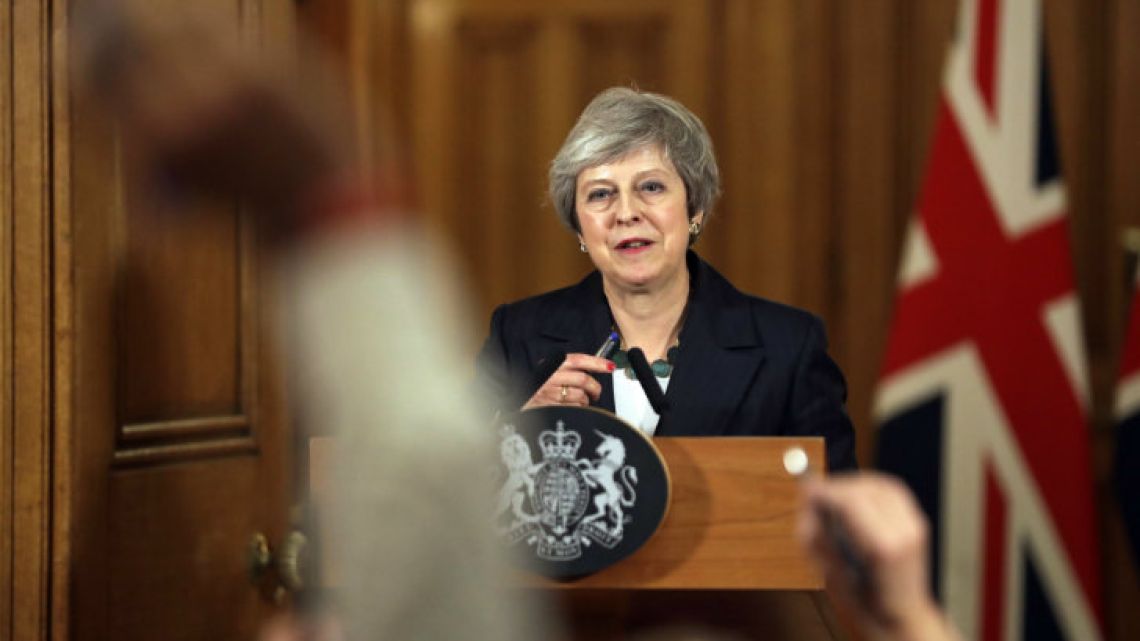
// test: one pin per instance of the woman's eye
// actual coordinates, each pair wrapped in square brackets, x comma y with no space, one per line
[595,195]
[653,187]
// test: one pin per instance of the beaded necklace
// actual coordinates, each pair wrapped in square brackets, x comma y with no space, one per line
[662,368]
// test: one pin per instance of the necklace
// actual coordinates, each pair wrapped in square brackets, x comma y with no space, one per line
[662,368]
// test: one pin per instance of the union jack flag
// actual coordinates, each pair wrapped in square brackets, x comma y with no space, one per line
[983,397]
[1128,426]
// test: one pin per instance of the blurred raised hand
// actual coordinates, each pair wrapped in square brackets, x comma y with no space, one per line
[200,111]
[875,517]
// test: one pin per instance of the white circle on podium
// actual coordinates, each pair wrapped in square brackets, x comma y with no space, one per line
[795,461]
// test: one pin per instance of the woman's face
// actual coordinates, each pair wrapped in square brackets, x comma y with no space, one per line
[633,218]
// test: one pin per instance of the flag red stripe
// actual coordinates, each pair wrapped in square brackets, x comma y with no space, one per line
[985,68]
[994,595]
[1130,359]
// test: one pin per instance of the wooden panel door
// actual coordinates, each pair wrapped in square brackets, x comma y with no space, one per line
[179,444]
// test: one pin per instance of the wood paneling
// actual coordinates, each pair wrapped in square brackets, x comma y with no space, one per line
[869,212]
[178,331]
[765,70]
[1121,201]
[496,72]
[186,333]
[7,366]
[26,348]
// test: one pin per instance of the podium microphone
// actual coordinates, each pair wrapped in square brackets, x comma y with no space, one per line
[648,381]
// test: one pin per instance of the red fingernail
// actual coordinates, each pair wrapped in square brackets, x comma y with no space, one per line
[610,365]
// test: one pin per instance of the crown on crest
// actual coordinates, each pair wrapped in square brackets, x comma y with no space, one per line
[559,443]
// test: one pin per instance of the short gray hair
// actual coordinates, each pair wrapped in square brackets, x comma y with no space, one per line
[621,120]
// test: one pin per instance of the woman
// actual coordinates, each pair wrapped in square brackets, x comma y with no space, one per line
[635,180]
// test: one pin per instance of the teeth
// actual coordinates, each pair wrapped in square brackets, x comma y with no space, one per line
[634,244]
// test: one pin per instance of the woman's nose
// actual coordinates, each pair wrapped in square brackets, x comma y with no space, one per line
[627,211]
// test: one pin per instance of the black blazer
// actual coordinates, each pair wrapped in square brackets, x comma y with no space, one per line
[745,366]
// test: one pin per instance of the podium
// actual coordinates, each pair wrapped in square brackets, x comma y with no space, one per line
[725,557]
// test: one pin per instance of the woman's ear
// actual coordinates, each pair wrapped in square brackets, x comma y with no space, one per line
[696,226]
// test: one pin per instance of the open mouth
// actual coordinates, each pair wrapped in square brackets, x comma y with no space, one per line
[633,243]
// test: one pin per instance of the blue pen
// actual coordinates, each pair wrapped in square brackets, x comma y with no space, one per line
[611,342]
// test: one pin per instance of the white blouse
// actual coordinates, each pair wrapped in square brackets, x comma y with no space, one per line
[631,403]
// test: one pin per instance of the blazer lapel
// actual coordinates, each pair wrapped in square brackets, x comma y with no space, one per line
[578,324]
[719,357]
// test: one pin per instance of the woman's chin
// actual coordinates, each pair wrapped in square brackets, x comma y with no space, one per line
[633,282]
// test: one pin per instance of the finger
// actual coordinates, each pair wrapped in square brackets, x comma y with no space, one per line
[588,363]
[573,395]
[556,393]
[581,388]
[588,384]
[549,394]
[577,396]
[578,379]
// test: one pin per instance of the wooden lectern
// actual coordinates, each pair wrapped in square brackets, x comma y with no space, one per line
[725,557]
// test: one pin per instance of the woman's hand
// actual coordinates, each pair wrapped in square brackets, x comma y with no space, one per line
[889,533]
[571,383]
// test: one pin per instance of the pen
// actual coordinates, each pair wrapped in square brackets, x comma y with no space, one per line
[604,350]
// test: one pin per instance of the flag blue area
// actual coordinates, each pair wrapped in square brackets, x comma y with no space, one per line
[910,446]
[1127,475]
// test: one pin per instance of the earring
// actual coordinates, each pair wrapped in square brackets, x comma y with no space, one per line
[694,229]
[582,247]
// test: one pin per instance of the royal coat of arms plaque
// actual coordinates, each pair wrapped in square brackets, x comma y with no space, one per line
[580,489]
